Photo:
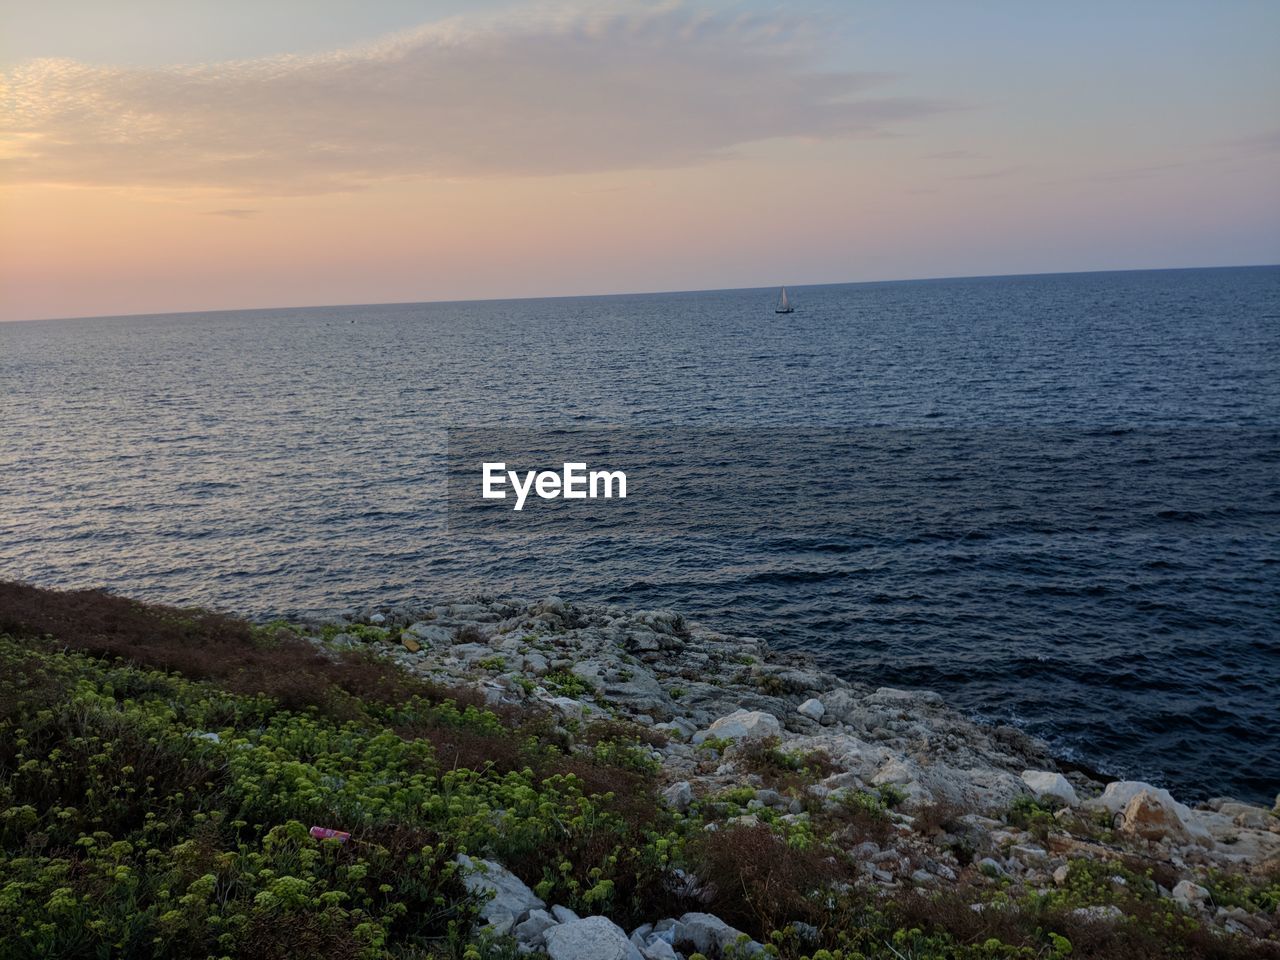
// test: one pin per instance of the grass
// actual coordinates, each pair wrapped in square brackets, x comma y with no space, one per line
[160,770]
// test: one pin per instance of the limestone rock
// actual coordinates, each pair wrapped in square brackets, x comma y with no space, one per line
[1146,819]
[1148,816]
[1044,783]
[659,949]
[744,725]
[1190,894]
[591,938]
[707,933]
[813,709]
[510,897]
[531,931]
[429,633]
[678,796]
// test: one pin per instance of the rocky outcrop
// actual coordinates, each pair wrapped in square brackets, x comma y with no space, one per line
[591,938]
[741,725]
[714,701]
[1050,785]
[508,899]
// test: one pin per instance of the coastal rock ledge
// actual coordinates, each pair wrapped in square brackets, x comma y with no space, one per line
[746,736]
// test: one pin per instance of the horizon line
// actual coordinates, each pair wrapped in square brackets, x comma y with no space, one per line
[635,293]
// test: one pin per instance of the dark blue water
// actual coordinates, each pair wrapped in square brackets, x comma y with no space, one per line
[1054,499]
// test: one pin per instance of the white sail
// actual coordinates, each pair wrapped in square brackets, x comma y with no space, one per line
[783,302]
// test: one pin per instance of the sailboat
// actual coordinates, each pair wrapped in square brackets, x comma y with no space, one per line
[784,305]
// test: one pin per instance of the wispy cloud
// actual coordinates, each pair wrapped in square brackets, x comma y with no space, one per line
[1261,143]
[531,94]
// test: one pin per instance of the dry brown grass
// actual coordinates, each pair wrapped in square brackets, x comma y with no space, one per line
[754,880]
[202,645]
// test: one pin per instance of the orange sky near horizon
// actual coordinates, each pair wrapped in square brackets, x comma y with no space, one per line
[341,177]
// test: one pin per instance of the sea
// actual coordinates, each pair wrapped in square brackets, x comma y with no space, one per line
[1053,499]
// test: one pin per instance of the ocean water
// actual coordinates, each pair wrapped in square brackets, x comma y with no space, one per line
[1054,499]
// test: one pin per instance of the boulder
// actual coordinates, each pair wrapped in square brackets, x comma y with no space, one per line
[1118,793]
[591,938]
[1244,815]
[659,949]
[813,709]
[708,934]
[841,704]
[1046,784]
[1150,816]
[509,899]
[678,796]
[563,914]
[1190,895]
[530,932]
[1146,819]
[745,725]
[429,633]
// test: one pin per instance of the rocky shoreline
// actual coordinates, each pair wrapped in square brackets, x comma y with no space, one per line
[747,736]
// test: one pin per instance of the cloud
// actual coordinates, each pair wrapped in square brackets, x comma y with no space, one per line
[1256,145]
[234,213]
[533,93]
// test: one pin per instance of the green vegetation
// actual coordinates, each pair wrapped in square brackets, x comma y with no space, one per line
[160,770]
[567,684]
[1235,891]
[1031,815]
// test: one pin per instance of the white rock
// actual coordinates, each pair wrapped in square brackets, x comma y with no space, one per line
[742,725]
[708,934]
[377,618]
[1151,817]
[678,796]
[1044,783]
[568,706]
[1120,794]
[530,932]
[1190,894]
[896,771]
[510,897]
[591,938]
[563,914]
[813,709]
[430,632]
[1244,815]
[659,949]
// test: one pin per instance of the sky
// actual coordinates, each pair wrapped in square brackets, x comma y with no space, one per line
[158,156]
